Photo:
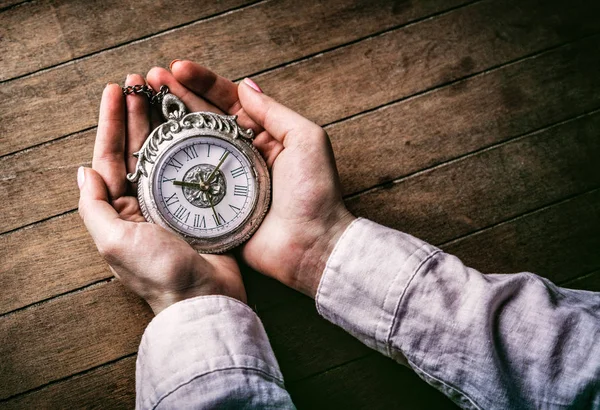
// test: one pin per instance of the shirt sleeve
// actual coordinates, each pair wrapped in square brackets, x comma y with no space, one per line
[208,352]
[486,341]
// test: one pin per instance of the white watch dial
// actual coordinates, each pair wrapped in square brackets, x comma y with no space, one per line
[204,187]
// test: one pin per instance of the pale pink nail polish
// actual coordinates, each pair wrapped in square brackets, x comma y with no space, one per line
[252,84]
[172,63]
[80,177]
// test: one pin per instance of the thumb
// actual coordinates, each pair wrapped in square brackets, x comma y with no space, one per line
[284,124]
[98,215]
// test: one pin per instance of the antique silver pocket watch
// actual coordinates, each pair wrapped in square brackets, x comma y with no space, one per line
[199,175]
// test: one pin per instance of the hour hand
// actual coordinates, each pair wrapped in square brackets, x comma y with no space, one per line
[188,184]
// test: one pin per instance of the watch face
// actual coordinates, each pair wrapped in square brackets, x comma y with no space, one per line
[204,187]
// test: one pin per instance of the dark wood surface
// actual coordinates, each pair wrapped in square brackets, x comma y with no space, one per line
[471,124]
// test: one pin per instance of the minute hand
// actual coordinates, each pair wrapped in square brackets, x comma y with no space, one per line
[212,174]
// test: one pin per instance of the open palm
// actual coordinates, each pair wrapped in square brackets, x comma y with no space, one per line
[307,214]
[154,263]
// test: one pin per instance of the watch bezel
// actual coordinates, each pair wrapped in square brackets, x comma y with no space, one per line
[178,129]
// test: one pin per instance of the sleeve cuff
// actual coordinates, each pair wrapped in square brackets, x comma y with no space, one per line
[365,279]
[197,337]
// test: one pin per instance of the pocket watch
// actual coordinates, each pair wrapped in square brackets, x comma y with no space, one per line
[198,175]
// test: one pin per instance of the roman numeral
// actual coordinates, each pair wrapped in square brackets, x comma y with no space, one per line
[165,179]
[175,164]
[172,200]
[225,152]
[199,222]
[237,172]
[190,152]
[180,214]
[235,209]
[240,190]
[208,153]
[218,220]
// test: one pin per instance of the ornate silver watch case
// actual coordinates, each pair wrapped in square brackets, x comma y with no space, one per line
[180,126]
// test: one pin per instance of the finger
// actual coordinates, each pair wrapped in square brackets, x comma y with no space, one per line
[99,217]
[159,76]
[138,122]
[282,123]
[109,148]
[218,90]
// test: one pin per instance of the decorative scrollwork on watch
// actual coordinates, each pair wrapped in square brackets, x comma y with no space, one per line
[176,121]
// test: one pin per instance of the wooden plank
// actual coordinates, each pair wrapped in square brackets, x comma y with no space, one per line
[374,382]
[421,56]
[72,333]
[587,282]
[554,85]
[492,186]
[281,31]
[108,387]
[559,242]
[555,160]
[43,33]
[298,334]
[471,114]
[4,4]
[420,132]
[49,259]
[29,257]
[46,173]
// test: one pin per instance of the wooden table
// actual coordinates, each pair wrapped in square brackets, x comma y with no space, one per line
[471,124]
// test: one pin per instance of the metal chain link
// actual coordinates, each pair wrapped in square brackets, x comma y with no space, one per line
[154,98]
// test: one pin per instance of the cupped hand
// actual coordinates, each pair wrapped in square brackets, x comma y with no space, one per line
[152,262]
[307,214]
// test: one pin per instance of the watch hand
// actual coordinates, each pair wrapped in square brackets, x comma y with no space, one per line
[188,184]
[212,174]
[213,208]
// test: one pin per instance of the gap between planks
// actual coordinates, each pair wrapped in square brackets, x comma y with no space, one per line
[253,74]
[374,189]
[339,365]
[354,116]
[366,192]
[133,41]
[269,69]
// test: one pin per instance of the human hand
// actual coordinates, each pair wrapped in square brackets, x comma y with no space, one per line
[152,262]
[307,214]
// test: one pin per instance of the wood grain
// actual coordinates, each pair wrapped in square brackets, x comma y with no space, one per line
[588,282]
[48,259]
[108,387]
[4,4]
[65,99]
[469,115]
[439,126]
[86,329]
[32,271]
[373,382]
[418,57]
[496,184]
[468,187]
[569,233]
[303,340]
[44,33]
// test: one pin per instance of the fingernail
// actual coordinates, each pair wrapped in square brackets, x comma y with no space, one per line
[252,84]
[127,78]
[80,177]
[173,62]
[108,84]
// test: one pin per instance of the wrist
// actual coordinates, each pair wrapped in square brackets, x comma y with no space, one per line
[312,265]
[227,285]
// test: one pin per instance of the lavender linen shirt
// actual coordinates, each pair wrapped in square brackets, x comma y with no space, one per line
[486,341]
